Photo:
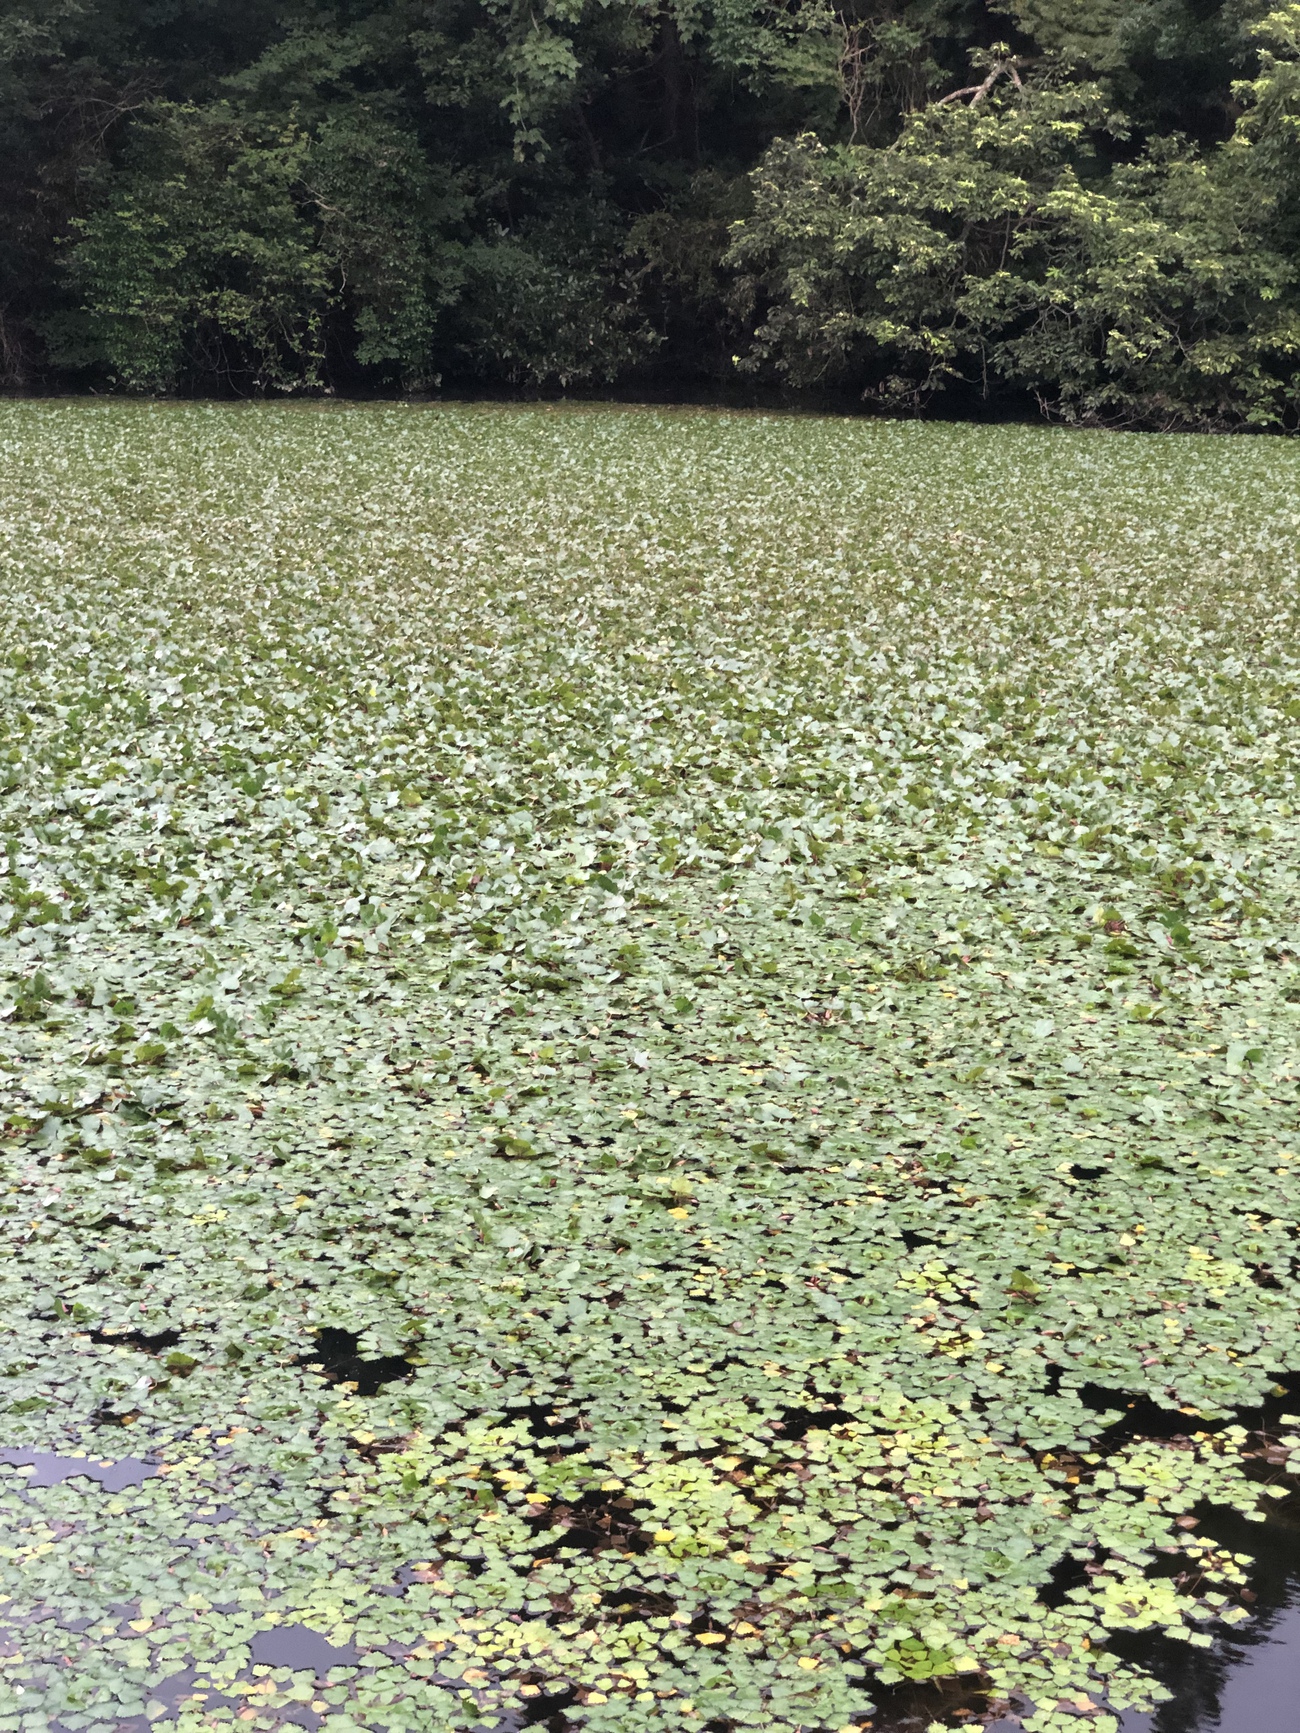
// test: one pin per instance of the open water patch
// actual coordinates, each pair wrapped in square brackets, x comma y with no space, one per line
[1248,1680]
[301,1649]
[337,1356]
[51,1469]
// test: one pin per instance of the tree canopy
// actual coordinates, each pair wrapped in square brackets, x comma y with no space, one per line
[1094,204]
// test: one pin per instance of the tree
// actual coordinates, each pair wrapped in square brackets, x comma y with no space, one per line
[985,246]
[880,197]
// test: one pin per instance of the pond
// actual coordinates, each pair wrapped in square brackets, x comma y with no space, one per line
[648,1061]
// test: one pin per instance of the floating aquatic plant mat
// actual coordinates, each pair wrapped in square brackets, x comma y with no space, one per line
[627,1037]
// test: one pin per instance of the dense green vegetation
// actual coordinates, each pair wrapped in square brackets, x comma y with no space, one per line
[642,1027]
[1091,205]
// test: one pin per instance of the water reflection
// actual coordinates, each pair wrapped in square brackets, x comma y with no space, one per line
[301,1649]
[50,1469]
[1248,1681]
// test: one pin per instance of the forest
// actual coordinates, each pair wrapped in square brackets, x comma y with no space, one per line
[1088,209]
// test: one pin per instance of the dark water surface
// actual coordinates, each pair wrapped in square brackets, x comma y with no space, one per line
[50,1469]
[1249,1680]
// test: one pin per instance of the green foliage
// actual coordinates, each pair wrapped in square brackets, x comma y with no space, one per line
[983,246]
[552,302]
[1104,221]
[224,244]
[388,222]
[200,259]
[643,1026]
[1266,139]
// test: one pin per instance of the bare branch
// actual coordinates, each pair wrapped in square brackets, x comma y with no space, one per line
[1006,67]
